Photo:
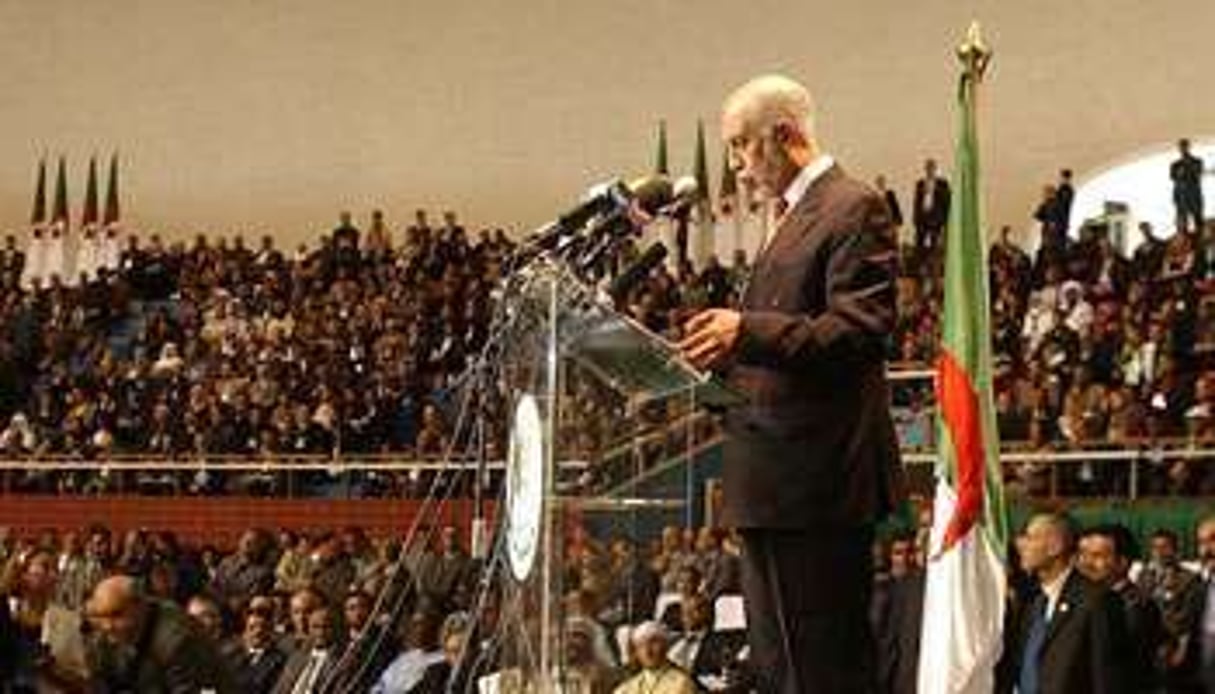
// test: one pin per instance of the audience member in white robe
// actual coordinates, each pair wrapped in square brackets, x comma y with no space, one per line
[755,223]
[111,247]
[728,234]
[88,254]
[56,256]
[35,258]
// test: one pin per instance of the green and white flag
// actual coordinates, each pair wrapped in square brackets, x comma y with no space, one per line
[965,585]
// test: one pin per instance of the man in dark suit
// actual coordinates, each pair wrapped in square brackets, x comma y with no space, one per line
[898,616]
[254,657]
[307,668]
[145,645]
[1106,553]
[811,460]
[1203,640]
[892,201]
[1070,634]
[699,650]
[931,211]
[1186,172]
[1065,193]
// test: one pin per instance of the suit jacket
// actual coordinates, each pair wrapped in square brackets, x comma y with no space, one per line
[898,633]
[815,442]
[296,663]
[716,654]
[1086,647]
[256,676]
[937,214]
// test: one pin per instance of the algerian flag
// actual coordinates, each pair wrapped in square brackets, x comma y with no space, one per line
[660,158]
[89,214]
[965,590]
[111,194]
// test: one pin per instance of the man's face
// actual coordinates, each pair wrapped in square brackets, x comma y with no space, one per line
[301,605]
[1163,551]
[756,156]
[901,558]
[652,652]
[356,609]
[694,613]
[40,574]
[207,615]
[258,631]
[116,621]
[99,545]
[1034,546]
[1206,543]
[1098,560]
[320,628]
[248,544]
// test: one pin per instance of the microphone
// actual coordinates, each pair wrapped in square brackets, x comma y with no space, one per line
[634,274]
[652,193]
[599,199]
[649,195]
[684,193]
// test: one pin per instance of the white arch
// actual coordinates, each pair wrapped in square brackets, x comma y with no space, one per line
[1141,182]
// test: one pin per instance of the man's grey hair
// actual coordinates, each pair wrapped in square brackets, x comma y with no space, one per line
[769,100]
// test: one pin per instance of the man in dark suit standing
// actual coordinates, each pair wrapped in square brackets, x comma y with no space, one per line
[1203,640]
[1105,556]
[1070,634]
[931,211]
[1186,172]
[811,460]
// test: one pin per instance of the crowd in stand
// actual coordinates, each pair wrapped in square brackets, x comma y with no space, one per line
[217,349]
[247,352]
[275,614]
[1093,347]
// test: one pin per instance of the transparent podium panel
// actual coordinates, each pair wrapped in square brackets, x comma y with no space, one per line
[603,423]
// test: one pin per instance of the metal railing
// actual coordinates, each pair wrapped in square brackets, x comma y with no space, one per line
[1131,455]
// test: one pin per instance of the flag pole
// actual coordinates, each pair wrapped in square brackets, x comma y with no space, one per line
[964,591]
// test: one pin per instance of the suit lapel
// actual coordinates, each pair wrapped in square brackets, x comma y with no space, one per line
[800,218]
[796,222]
[1071,599]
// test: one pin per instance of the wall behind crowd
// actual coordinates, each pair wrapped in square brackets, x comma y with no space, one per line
[232,114]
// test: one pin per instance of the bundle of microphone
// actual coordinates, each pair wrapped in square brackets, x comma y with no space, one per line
[589,236]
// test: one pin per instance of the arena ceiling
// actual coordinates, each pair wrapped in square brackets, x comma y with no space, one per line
[274,114]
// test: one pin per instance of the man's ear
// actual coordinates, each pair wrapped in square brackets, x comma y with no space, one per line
[782,134]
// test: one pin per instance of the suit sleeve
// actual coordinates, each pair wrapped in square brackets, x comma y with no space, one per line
[860,306]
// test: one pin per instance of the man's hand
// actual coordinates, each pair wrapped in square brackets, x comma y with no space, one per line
[709,336]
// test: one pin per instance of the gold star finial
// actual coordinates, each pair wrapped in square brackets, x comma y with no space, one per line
[974,53]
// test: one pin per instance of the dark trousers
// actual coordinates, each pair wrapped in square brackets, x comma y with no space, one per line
[1189,211]
[807,599]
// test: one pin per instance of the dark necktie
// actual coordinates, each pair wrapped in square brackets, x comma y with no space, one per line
[1028,683]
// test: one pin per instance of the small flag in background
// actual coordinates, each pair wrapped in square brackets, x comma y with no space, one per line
[38,215]
[89,214]
[111,195]
[660,159]
[727,193]
[59,213]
